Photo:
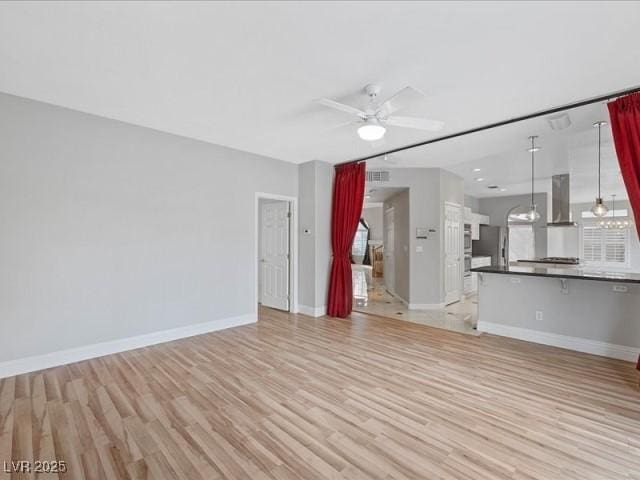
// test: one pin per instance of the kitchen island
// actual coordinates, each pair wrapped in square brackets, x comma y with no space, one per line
[581,309]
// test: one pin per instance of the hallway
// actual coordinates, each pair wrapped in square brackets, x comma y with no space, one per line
[370,296]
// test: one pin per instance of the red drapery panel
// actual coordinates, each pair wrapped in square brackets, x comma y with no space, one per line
[625,125]
[348,196]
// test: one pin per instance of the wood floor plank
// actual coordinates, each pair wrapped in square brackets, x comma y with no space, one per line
[293,397]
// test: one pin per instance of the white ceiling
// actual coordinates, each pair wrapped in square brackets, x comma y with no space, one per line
[244,74]
[502,157]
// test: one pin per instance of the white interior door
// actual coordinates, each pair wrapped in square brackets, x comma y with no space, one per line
[452,252]
[274,254]
[389,266]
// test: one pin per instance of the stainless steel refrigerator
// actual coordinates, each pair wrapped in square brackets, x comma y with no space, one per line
[494,242]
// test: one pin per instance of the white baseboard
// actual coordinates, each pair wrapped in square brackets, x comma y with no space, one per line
[62,357]
[594,347]
[426,306]
[313,311]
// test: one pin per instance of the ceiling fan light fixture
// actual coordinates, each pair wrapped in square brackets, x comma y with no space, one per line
[371,130]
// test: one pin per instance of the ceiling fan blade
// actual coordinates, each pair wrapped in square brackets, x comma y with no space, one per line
[342,125]
[415,122]
[401,99]
[340,106]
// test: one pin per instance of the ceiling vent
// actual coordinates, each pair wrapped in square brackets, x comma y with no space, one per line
[560,121]
[377,175]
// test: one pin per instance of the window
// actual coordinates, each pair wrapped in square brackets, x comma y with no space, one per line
[359,247]
[605,247]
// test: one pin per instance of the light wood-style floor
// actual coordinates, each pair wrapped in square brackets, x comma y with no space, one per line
[299,398]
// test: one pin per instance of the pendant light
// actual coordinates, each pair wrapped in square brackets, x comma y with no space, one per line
[532,215]
[599,209]
[613,223]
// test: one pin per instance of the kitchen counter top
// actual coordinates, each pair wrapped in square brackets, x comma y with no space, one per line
[563,272]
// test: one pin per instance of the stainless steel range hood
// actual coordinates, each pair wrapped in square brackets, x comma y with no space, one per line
[561,202]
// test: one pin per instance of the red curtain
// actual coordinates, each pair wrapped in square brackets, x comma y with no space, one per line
[348,196]
[625,125]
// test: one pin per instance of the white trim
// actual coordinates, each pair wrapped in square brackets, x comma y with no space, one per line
[71,355]
[594,347]
[426,306]
[293,265]
[312,311]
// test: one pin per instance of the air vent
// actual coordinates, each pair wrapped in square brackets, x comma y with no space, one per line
[492,187]
[377,175]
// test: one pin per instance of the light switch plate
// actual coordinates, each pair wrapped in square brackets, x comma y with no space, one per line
[419,249]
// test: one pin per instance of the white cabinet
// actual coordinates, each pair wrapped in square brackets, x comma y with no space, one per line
[476,221]
[475,231]
[483,261]
[467,215]
[473,282]
[468,284]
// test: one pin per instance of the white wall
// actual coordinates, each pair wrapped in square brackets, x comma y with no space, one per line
[472,202]
[109,230]
[424,198]
[316,189]
[400,203]
[428,188]
[589,317]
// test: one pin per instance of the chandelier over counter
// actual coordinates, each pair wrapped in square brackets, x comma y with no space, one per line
[614,223]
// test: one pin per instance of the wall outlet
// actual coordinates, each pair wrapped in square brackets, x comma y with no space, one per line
[539,315]
[620,288]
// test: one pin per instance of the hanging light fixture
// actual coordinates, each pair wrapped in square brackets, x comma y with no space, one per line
[599,209]
[613,223]
[532,215]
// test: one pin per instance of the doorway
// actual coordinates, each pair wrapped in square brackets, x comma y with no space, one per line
[275,252]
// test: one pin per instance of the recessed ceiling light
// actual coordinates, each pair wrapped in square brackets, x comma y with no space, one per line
[477,169]
[367,196]
[479,179]
[503,189]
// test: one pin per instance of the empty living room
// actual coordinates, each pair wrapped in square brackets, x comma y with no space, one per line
[296,240]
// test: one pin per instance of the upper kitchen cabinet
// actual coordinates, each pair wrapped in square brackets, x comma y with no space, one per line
[477,220]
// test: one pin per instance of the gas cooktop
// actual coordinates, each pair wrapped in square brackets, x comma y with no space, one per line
[564,260]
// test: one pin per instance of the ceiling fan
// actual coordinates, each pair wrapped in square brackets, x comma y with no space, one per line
[376,116]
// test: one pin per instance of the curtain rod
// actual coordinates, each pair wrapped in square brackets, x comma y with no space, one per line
[549,111]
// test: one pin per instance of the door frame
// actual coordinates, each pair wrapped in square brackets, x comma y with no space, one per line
[293,246]
[385,275]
